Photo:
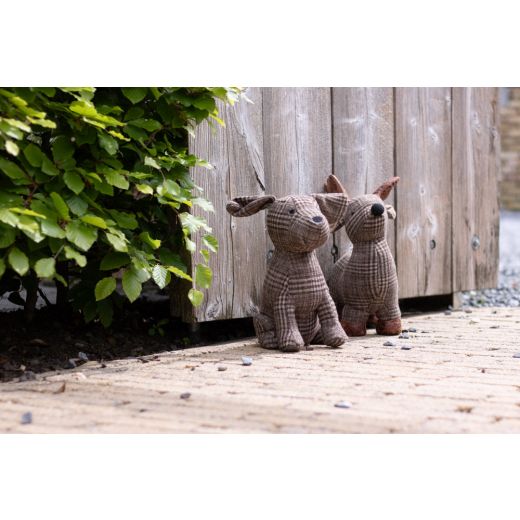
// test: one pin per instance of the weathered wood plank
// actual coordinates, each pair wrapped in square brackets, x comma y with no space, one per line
[363,144]
[298,145]
[236,153]
[423,161]
[475,196]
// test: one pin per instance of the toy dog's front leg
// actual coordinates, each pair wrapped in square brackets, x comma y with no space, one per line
[289,337]
[265,331]
[354,320]
[332,333]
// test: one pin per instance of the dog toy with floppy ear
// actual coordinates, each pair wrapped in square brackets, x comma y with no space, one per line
[296,307]
[363,283]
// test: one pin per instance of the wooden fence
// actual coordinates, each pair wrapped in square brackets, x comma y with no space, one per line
[442,142]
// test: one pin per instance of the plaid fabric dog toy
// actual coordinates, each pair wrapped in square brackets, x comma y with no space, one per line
[296,307]
[363,283]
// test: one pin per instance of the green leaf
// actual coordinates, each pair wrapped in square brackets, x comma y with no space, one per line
[144,188]
[74,182]
[108,143]
[7,237]
[18,261]
[105,287]
[77,205]
[124,220]
[148,124]
[150,161]
[45,267]
[190,245]
[210,242]
[34,155]
[62,148]
[11,147]
[117,243]
[95,221]
[60,205]
[147,239]
[72,254]
[52,229]
[161,276]
[114,260]
[195,297]
[48,167]
[179,273]
[203,203]
[203,276]
[12,170]
[105,310]
[2,267]
[192,223]
[134,94]
[81,235]
[116,179]
[131,285]
[205,254]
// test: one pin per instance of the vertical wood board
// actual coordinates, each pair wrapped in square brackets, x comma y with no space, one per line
[424,198]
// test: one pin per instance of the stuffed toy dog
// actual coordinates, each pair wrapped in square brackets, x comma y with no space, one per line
[296,306]
[363,283]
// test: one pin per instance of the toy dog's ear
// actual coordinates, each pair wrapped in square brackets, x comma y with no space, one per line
[334,207]
[333,185]
[246,206]
[384,190]
[390,210]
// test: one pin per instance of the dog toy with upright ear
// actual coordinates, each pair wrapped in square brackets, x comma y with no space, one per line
[363,283]
[296,307]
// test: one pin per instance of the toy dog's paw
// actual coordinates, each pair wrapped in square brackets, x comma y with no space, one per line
[389,327]
[291,342]
[354,328]
[268,340]
[334,337]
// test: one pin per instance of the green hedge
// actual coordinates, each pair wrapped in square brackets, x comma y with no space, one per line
[94,182]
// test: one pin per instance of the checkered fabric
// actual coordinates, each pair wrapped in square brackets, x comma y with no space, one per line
[296,307]
[364,281]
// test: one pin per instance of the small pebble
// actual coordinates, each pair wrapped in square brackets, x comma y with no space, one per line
[82,356]
[447,313]
[517,355]
[29,375]
[343,404]
[404,335]
[221,369]
[389,343]
[474,320]
[406,347]
[186,395]
[412,329]
[494,326]
[247,361]
[26,418]
[468,311]
[71,364]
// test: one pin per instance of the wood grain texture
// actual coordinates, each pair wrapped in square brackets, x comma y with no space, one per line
[236,152]
[424,198]
[475,195]
[298,145]
[363,145]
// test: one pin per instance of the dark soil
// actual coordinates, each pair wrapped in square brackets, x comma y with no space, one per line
[52,340]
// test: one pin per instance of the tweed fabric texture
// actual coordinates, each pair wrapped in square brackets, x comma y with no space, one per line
[296,307]
[364,282]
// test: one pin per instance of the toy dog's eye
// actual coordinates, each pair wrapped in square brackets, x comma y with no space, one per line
[292,211]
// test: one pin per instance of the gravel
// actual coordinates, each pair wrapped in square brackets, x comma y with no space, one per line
[389,343]
[247,361]
[343,404]
[507,294]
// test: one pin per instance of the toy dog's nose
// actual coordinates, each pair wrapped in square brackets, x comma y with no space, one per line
[377,209]
[317,219]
